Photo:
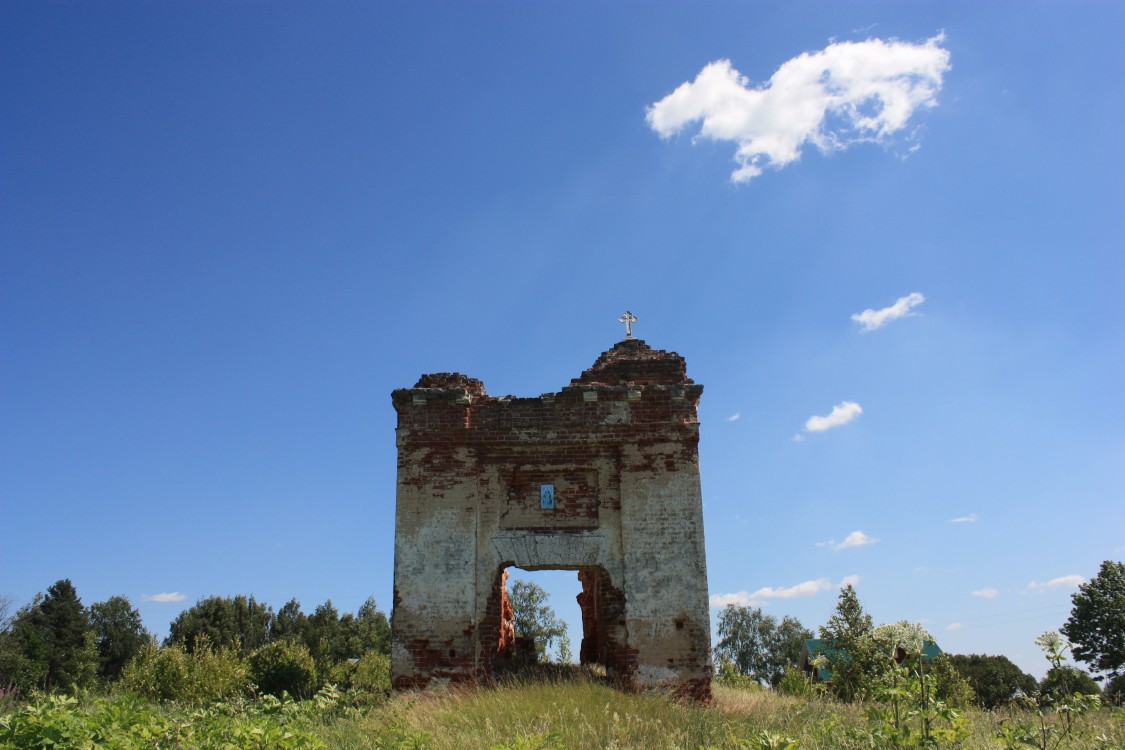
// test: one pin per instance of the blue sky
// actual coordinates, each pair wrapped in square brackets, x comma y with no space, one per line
[230,230]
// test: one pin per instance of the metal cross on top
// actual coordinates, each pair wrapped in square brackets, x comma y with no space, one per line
[628,319]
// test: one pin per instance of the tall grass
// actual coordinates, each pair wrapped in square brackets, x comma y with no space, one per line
[582,714]
[521,713]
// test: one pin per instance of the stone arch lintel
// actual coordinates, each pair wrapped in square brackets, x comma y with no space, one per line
[575,550]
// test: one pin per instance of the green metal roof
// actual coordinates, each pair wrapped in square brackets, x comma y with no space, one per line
[816,646]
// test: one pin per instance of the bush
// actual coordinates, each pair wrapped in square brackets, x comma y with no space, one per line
[372,674]
[169,673]
[1068,680]
[339,674]
[995,679]
[949,686]
[284,667]
[728,675]
[129,723]
[796,683]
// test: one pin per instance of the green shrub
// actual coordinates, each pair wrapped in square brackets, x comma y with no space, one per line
[795,682]
[129,723]
[729,675]
[339,674]
[169,673]
[284,667]
[1067,680]
[372,674]
[949,686]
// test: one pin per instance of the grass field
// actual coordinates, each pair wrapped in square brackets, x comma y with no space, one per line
[521,714]
[585,715]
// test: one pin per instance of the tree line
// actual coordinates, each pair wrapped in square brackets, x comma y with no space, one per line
[860,658]
[55,643]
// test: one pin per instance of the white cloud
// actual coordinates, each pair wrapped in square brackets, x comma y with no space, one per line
[953,627]
[741,599]
[985,593]
[852,580]
[856,539]
[841,414]
[745,599]
[798,438]
[171,596]
[872,319]
[735,417]
[847,93]
[971,518]
[1062,582]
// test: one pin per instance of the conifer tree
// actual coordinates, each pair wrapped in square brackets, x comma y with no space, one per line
[851,650]
[55,641]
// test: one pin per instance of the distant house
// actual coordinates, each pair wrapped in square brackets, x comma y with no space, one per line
[814,646]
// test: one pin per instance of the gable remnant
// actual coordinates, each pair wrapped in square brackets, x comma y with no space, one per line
[601,477]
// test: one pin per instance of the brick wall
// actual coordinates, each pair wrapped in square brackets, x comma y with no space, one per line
[620,447]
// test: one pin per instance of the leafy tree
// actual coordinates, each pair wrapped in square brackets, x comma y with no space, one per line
[289,622]
[330,638]
[1096,627]
[323,635]
[54,642]
[534,618]
[564,655]
[10,657]
[354,635]
[995,679]
[240,622]
[852,653]
[14,667]
[374,627]
[757,644]
[849,623]
[119,633]
[1067,680]
[5,613]
[1114,692]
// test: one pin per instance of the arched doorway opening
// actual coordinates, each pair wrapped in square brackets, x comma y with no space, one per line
[601,610]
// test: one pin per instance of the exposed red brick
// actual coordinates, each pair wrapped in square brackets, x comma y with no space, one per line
[470,469]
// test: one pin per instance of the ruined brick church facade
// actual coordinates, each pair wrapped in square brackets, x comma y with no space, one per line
[601,477]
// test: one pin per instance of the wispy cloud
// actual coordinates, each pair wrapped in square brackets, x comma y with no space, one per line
[746,599]
[171,596]
[841,415]
[855,539]
[1062,582]
[985,593]
[971,518]
[852,580]
[953,627]
[735,417]
[847,93]
[872,319]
